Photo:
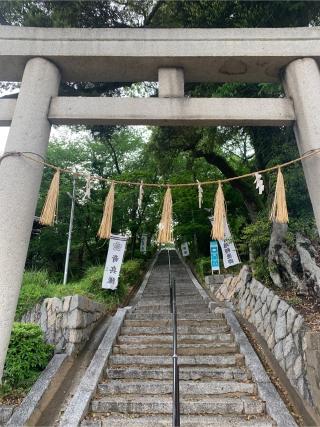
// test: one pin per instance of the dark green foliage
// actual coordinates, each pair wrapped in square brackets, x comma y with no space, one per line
[260,269]
[37,286]
[257,236]
[27,356]
[203,267]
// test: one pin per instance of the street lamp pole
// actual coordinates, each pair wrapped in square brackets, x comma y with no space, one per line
[66,265]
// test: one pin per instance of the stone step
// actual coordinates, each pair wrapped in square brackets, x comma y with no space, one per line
[165,293]
[183,349]
[167,323]
[186,421]
[194,373]
[158,294]
[218,361]
[168,316]
[183,330]
[182,339]
[163,405]
[182,284]
[186,387]
[155,302]
[193,308]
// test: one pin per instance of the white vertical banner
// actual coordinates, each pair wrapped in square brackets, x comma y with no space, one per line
[143,243]
[229,251]
[117,246]
[185,249]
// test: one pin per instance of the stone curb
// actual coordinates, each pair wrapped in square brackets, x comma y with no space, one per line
[79,404]
[144,283]
[5,413]
[30,403]
[274,404]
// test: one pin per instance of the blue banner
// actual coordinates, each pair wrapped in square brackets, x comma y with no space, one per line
[214,253]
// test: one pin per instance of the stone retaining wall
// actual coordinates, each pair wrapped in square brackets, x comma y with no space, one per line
[296,348]
[68,322]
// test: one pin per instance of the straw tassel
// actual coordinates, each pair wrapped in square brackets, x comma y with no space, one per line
[165,226]
[50,208]
[219,216]
[279,212]
[106,221]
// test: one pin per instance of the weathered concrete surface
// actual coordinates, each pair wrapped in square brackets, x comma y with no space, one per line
[312,361]
[164,111]
[186,421]
[29,131]
[79,403]
[302,85]
[5,413]
[171,82]
[31,402]
[231,54]
[7,107]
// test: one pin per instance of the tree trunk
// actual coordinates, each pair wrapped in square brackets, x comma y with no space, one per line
[310,269]
[281,262]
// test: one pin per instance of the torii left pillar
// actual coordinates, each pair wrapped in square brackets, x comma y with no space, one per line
[20,180]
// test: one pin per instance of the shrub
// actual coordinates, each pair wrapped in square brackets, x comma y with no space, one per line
[129,276]
[27,355]
[37,286]
[261,270]
[257,236]
[203,267]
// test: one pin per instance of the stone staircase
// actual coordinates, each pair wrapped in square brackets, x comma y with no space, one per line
[216,388]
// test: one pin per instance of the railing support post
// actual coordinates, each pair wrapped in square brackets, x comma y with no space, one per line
[175,366]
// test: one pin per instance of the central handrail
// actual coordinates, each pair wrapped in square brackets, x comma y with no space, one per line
[175,388]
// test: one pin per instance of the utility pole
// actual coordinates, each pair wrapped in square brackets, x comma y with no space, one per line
[66,265]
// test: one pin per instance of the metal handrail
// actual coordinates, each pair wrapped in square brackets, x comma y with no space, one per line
[175,388]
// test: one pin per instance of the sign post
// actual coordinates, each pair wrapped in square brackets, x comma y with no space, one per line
[214,255]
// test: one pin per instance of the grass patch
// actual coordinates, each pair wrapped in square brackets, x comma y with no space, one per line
[37,286]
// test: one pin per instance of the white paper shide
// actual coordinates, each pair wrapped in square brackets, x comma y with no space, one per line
[117,246]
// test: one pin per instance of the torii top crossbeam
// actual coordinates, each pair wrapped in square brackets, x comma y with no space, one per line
[126,55]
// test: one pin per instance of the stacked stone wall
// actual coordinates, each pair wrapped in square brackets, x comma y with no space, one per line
[295,347]
[282,328]
[68,322]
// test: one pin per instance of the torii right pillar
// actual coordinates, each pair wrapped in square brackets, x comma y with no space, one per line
[302,85]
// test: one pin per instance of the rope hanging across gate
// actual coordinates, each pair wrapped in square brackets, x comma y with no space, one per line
[279,212]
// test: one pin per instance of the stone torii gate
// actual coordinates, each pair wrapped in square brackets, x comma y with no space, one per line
[40,57]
